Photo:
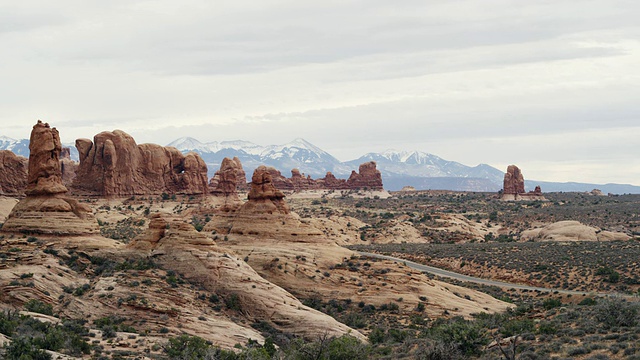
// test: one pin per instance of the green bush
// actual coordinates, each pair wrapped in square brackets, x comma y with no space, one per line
[187,347]
[38,306]
[468,337]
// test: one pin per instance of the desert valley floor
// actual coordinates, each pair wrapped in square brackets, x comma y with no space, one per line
[164,271]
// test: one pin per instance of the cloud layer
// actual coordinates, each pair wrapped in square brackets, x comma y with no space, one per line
[550,86]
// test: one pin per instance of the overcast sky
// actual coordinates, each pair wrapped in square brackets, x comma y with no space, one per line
[552,86]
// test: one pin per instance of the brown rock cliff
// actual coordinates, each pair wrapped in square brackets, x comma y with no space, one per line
[114,165]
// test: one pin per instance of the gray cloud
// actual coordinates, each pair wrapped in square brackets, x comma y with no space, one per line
[462,79]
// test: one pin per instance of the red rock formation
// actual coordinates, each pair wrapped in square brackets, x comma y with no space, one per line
[331,182]
[45,176]
[13,173]
[367,177]
[114,165]
[45,209]
[68,167]
[537,190]
[229,179]
[263,196]
[513,181]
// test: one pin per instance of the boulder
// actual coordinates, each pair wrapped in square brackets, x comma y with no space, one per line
[114,165]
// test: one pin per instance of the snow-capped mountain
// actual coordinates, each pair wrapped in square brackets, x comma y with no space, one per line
[398,168]
[18,147]
[299,153]
[21,147]
[421,164]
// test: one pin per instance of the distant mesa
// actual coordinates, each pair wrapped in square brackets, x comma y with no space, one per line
[46,210]
[513,188]
[114,165]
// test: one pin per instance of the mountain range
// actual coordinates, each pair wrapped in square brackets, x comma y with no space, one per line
[399,168]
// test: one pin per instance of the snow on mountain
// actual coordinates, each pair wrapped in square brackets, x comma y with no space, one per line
[410,166]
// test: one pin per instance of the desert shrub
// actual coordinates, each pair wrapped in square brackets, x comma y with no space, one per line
[588,302]
[38,306]
[345,347]
[616,313]
[517,327]
[187,347]
[232,302]
[549,304]
[468,337]
[30,337]
[24,348]
[438,351]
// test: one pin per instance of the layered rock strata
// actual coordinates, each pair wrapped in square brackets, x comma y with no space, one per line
[114,165]
[177,245]
[45,209]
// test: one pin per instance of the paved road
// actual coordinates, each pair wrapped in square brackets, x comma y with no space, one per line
[453,275]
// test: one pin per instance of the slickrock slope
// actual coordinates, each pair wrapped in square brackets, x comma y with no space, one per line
[179,246]
[307,260]
[46,210]
[13,173]
[570,230]
[114,165]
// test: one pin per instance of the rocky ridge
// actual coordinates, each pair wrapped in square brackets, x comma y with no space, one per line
[114,165]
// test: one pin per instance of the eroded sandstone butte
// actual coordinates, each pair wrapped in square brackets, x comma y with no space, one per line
[13,173]
[46,210]
[513,186]
[114,165]
[513,181]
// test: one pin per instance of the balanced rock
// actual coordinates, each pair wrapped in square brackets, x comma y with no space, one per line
[366,177]
[114,165]
[13,173]
[46,210]
[513,181]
